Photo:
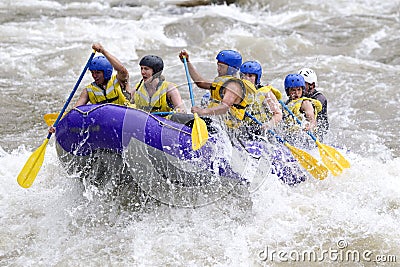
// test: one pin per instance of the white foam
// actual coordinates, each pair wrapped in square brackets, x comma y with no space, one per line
[60,222]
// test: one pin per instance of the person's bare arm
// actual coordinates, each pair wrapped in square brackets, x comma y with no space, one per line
[122,72]
[308,110]
[175,97]
[218,110]
[194,74]
[83,99]
[274,106]
[232,96]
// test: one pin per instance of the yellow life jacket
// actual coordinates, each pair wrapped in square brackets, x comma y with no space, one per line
[257,109]
[112,93]
[295,106]
[236,111]
[158,102]
[276,92]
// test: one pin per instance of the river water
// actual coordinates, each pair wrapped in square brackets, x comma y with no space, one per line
[354,46]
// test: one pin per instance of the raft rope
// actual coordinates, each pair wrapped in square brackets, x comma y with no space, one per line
[162,123]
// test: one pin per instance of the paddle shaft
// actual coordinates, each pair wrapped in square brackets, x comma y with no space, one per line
[72,93]
[31,168]
[188,80]
[297,119]
[330,156]
[163,113]
[280,139]
[306,160]
[199,129]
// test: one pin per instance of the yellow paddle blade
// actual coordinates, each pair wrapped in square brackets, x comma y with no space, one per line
[328,157]
[311,164]
[343,162]
[50,118]
[32,166]
[199,133]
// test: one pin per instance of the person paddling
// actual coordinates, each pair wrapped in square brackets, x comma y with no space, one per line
[304,108]
[229,95]
[106,87]
[266,107]
[310,78]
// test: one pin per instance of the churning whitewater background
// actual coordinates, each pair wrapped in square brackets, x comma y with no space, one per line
[354,46]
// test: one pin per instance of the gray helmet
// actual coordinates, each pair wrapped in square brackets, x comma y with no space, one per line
[154,62]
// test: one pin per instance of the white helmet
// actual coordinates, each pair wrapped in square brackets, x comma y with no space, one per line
[308,75]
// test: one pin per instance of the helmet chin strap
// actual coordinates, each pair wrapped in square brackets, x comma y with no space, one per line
[152,78]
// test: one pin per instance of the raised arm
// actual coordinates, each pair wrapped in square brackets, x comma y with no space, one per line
[122,72]
[194,74]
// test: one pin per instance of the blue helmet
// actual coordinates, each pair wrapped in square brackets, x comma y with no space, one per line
[252,67]
[102,63]
[231,58]
[294,80]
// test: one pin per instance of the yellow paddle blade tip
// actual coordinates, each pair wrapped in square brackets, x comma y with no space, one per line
[199,133]
[197,146]
[199,140]
[50,118]
[320,172]
[308,162]
[31,168]
[333,159]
